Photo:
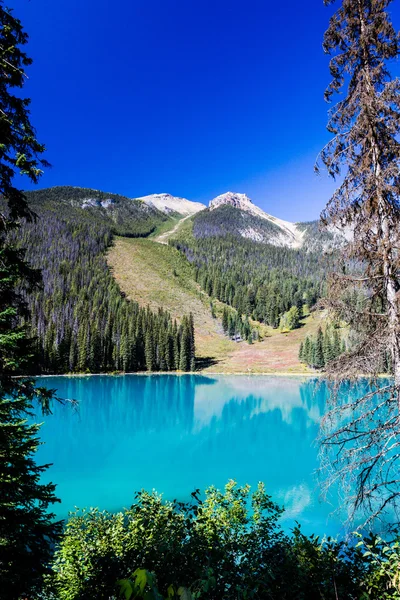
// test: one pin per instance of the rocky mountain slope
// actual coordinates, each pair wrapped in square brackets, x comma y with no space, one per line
[231,214]
[172,205]
[283,233]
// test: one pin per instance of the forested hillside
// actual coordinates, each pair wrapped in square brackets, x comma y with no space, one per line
[318,239]
[125,216]
[81,318]
[260,280]
[227,220]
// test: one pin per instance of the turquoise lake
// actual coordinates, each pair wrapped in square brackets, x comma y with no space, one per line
[178,433]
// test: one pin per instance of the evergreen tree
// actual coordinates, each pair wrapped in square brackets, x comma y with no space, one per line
[169,350]
[231,326]
[365,128]
[27,530]
[307,351]
[192,342]
[176,349]
[301,352]
[162,349]
[318,355]
[149,351]
[328,347]
[185,342]
[293,318]
[336,349]
[225,320]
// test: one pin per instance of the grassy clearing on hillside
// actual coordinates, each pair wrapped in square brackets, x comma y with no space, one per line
[166,227]
[167,233]
[159,276]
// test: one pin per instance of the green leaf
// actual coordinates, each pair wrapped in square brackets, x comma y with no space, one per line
[142,578]
[170,591]
[184,594]
[125,588]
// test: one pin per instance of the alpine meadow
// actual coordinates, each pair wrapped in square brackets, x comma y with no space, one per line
[200,393]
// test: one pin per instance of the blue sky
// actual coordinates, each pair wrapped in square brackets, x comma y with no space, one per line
[193,98]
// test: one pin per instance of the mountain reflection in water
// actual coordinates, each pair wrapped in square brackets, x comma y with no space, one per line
[177,433]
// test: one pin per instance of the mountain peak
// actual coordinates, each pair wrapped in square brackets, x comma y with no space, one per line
[289,235]
[167,204]
[235,199]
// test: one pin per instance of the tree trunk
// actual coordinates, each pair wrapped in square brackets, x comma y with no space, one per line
[385,227]
[390,288]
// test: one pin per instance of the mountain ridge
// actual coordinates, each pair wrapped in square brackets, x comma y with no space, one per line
[169,204]
[230,213]
[290,234]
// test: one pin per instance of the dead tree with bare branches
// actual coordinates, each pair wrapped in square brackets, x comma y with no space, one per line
[363,429]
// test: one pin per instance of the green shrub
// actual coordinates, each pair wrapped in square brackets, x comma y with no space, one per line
[228,546]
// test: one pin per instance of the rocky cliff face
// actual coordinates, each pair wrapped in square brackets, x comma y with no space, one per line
[241,201]
[172,204]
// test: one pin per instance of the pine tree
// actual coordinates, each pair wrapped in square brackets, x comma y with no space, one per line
[169,356]
[318,358]
[185,342]
[336,350]
[328,347]
[225,320]
[301,351]
[293,318]
[27,530]
[125,350]
[162,349]
[72,356]
[365,125]
[231,326]
[307,351]
[82,347]
[192,342]
[176,349]
[149,351]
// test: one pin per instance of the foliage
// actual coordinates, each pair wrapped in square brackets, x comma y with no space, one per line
[383,579]
[27,530]
[230,545]
[318,351]
[235,326]
[291,319]
[142,584]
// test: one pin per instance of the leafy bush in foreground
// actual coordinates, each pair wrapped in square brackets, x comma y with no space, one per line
[228,546]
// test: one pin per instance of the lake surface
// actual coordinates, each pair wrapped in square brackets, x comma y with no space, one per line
[178,433]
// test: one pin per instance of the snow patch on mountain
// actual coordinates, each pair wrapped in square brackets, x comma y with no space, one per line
[172,204]
[291,235]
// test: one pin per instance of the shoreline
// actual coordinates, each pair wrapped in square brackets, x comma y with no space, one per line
[177,374]
[190,374]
